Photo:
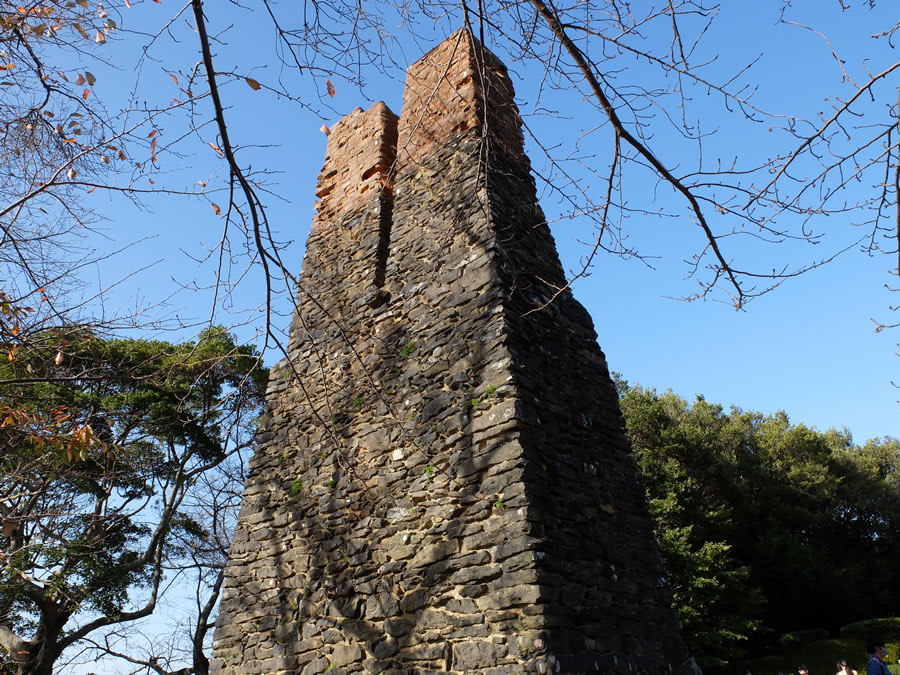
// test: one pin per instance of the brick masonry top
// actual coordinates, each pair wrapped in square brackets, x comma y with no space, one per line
[360,154]
[457,86]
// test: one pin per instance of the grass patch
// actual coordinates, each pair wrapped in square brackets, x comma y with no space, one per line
[407,351]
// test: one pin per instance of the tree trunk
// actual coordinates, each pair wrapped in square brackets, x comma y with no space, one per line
[201,663]
[42,657]
[44,648]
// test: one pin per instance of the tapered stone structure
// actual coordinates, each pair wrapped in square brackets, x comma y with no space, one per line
[442,482]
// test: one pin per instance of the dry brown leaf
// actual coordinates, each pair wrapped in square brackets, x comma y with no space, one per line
[254,85]
[216,208]
[330,88]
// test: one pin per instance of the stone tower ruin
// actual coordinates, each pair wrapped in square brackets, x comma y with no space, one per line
[441,481]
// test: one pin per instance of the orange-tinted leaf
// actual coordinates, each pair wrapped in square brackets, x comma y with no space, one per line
[174,79]
[85,94]
[92,189]
[122,156]
[128,4]
[216,148]
[151,134]
[253,84]
[215,208]
[330,88]
[80,79]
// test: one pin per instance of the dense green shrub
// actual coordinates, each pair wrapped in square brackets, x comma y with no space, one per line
[802,637]
[887,628]
[819,656]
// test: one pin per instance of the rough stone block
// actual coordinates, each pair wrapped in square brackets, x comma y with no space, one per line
[477,654]
[343,655]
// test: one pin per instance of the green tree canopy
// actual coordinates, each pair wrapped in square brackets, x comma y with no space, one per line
[763,524]
[101,442]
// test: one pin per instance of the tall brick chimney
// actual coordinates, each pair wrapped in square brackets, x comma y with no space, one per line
[441,481]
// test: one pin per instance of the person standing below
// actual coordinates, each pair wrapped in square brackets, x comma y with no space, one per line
[875,647]
[844,669]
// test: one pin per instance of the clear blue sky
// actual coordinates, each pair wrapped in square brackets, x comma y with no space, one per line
[808,348]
